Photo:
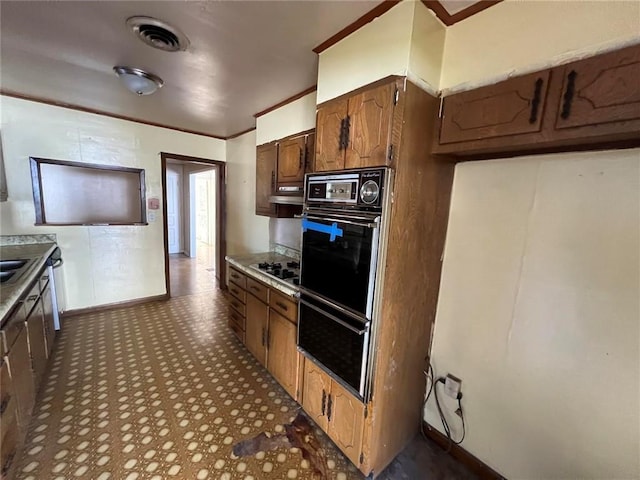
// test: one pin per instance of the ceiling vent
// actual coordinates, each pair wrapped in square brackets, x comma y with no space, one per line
[158,34]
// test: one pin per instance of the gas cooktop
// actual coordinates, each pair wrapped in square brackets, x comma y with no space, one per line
[289,273]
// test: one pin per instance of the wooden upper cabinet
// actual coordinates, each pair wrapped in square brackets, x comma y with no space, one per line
[369,121]
[512,107]
[266,161]
[291,161]
[329,148]
[282,355]
[316,388]
[310,147]
[601,90]
[346,422]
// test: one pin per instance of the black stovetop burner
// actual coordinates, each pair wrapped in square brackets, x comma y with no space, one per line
[291,274]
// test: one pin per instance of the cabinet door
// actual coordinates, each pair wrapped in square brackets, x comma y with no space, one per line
[282,354]
[512,107]
[49,328]
[370,119]
[346,421]
[315,393]
[37,342]
[291,158]
[22,377]
[599,90]
[329,151]
[310,153]
[255,334]
[266,160]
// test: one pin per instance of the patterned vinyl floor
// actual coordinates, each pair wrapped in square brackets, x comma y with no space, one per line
[160,391]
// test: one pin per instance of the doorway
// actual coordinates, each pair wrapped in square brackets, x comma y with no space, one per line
[194,224]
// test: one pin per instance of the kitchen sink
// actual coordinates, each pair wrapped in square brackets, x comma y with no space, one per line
[8,265]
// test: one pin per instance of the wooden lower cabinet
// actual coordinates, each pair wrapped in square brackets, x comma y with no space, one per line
[49,327]
[37,342]
[282,359]
[256,328]
[340,414]
[22,377]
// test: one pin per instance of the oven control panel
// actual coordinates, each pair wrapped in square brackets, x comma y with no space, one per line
[360,188]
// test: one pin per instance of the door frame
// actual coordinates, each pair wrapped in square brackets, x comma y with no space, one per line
[221,214]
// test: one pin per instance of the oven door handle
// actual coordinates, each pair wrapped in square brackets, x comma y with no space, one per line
[337,320]
[340,220]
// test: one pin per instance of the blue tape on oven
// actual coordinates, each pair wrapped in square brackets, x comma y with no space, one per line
[332,230]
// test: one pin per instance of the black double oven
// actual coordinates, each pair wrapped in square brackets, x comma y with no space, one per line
[342,238]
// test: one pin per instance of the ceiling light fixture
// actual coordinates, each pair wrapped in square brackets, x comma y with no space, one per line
[138,81]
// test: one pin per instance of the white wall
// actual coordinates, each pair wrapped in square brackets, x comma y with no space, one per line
[427,49]
[539,316]
[379,49]
[524,36]
[102,264]
[246,231]
[291,118]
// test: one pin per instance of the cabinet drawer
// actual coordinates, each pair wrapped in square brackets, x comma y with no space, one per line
[43,279]
[237,306]
[238,292]
[12,329]
[7,400]
[238,278]
[239,332]
[9,448]
[22,379]
[284,306]
[236,318]
[31,299]
[258,290]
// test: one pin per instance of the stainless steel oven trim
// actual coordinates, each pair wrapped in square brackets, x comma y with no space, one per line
[373,266]
[359,317]
[337,320]
[341,220]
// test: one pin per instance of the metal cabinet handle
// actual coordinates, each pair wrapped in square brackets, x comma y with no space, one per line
[282,305]
[254,288]
[329,405]
[301,158]
[263,336]
[568,94]
[235,291]
[32,298]
[44,277]
[273,181]
[535,102]
[324,401]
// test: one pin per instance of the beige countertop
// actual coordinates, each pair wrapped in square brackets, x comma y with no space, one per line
[12,291]
[242,262]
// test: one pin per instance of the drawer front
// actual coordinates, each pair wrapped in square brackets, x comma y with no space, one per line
[239,332]
[237,292]
[7,400]
[238,278]
[31,299]
[236,318]
[284,306]
[238,306]
[258,290]
[12,328]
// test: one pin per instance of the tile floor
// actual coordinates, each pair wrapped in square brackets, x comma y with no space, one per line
[164,390]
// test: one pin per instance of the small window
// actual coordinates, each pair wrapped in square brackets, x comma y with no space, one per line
[74,193]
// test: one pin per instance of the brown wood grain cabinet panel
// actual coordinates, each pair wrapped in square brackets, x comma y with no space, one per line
[291,161]
[329,152]
[22,377]
[369,116]
[512,107]
[599,90]
[310,147]
[7,399]
[9,448]
[282,355]
[284,306]
[238,306]
[49,328]
[258,290]
[346,419]
[37,343]
[237,292]
[316,388]
[238,278]
[266,162]
[256,323]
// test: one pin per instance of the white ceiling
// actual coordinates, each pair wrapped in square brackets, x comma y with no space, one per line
[244,56]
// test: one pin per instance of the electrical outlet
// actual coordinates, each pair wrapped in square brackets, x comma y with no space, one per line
[452,386]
